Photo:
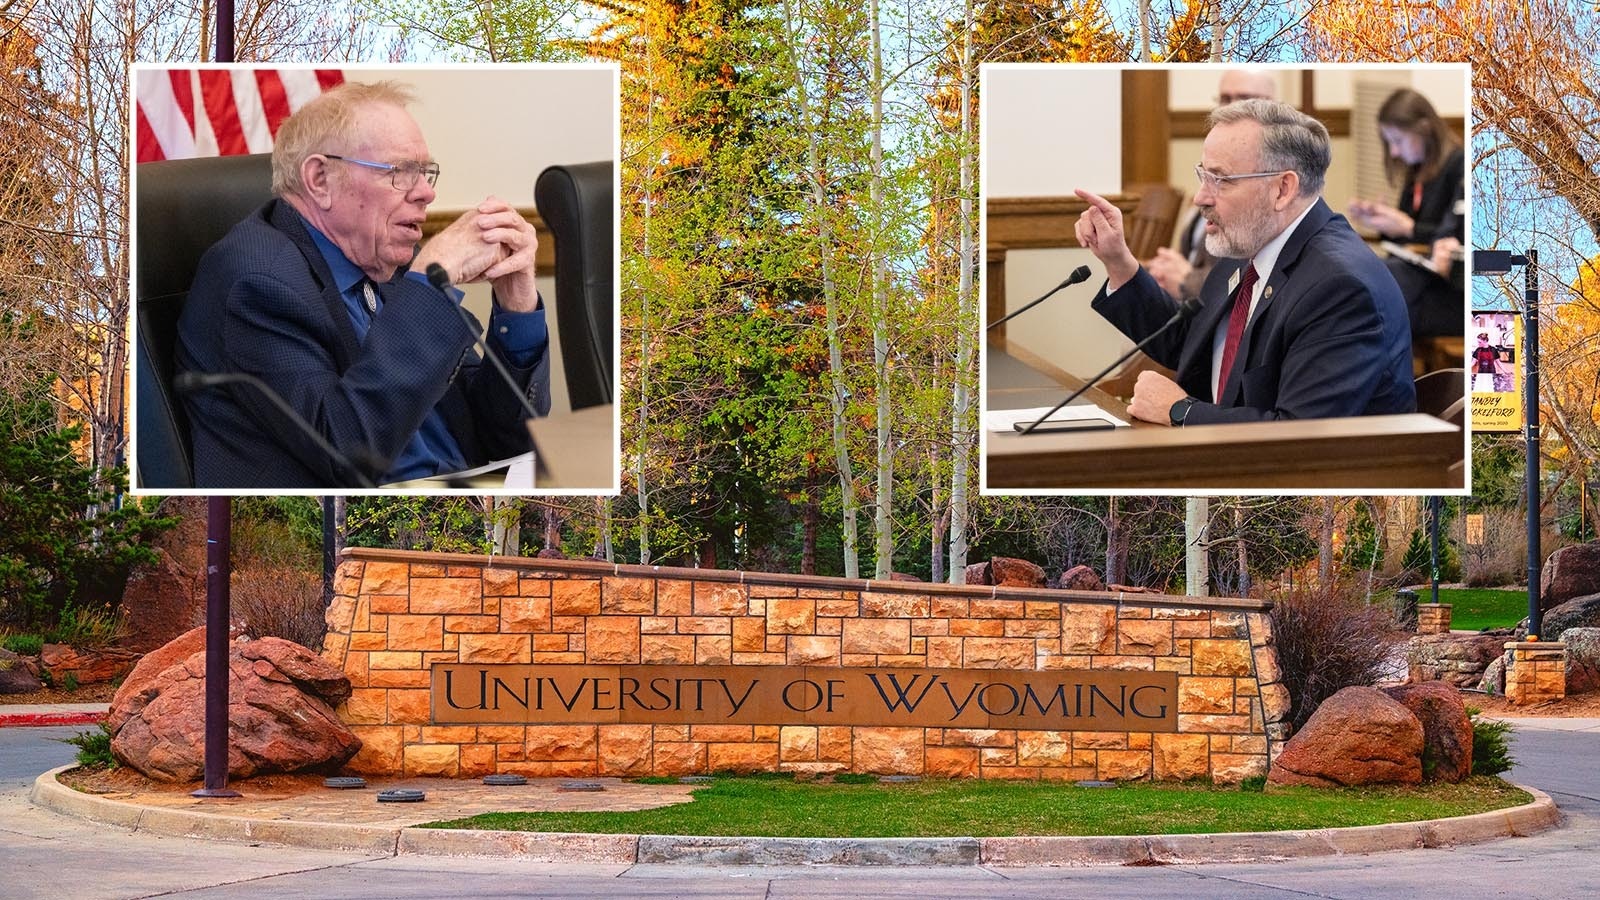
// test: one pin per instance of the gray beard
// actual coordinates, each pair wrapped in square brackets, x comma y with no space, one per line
[1246,240]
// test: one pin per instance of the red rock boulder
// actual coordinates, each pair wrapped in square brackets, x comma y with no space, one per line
[16,675]
[1008,572]
[1569,573]
[280,712]
[86,666]
[1360,735]
[1081,578]
[1446,730]
[161,601]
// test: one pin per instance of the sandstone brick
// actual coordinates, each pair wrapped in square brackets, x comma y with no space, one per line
[1100,740]
[1232,768]
[380,752]
[1205,695]
[550,643]
[416,633]
[1255,744]
[525,614]
[998,653]
[996,756]
[476,761]
[535,584]
[1172,612]
[888,751]
[1213,724]
[876,636]
[1123,765]
[797,743]
[1134,612]
[764,591]
[977,627]
[426,570]
[347,578]
[1139,740]
[791,616]
[950,608]
[579,597]
[1227,625]
[979,737]
[501,582]
[666,649]
[1044,748]
[834,743]
[996,609]
[777,643]
[944,652]
[1221,657]
[1088,628]
[1180,757]
[760,659]
[1150,637]
[749,635]
[680,758]
[1260,625]
[369,640]
[672,732]
[399,678]
[952,762]
[1184,628]
[558,769]
[705,625]
[742,757]
[930,627]
[1275,702]
[475,624]
[831,627]
[624,749]
[409,707]
[674,598]
[504,753]
[365,707]
[1009,772]
[501,734]
[1180,664]
[900,606]
[408,659]
[495,648]
[449,734]
[845,607]
[658,625]
[627,596]
[568,624]
[546,743]
[713,650]
[460,596]
[714,599]
[612,639]
[386,578]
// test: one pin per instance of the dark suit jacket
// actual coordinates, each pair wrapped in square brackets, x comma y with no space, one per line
[1331,340]
[1434,217]
[264,303]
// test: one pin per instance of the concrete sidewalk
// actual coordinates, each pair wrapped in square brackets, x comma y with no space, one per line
[325,819]
[46,714]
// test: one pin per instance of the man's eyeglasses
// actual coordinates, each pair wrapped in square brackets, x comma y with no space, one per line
[1212,180]
[403,177]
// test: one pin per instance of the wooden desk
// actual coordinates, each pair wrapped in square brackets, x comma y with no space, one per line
[1407,452]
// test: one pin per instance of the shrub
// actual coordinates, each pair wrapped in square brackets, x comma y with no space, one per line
[1329,639]
[23,644]
[83,627]
[284,603]
[1491,744]
[94,748]
[69,682]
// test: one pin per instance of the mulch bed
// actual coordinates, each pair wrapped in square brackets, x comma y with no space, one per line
[123,779]
[1584,706]
[88,693]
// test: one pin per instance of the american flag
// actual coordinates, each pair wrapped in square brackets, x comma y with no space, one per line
[184,113]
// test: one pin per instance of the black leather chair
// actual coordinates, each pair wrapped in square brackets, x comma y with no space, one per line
[183,207]
[577,202]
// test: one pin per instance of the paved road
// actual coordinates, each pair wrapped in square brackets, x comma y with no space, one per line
[43,855]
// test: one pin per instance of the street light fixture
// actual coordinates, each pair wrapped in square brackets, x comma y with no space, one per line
[1500,262]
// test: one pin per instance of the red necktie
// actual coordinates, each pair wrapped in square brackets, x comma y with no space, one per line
[1236,322]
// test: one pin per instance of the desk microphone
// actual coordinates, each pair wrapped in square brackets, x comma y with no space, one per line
[1186,310]
[1080,274]
[440,279]
[189,382]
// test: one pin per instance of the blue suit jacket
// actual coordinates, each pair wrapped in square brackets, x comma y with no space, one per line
[264,303]
[1332,340]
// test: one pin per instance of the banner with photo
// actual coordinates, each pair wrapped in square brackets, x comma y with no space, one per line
[1493,342]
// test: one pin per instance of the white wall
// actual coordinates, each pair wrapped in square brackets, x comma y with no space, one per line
[494,129]
[1048,129]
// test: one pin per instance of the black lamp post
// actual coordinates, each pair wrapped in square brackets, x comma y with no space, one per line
[1499,262]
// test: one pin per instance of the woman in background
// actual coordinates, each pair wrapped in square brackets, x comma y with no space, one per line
[1423,155]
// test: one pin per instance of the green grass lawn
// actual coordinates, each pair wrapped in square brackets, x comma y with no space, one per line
[1474,609]
[774,806]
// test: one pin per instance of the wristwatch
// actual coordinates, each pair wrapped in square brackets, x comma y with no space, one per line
[1180,411]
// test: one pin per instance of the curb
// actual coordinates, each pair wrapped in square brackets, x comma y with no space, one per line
[1169,849]
[39,720]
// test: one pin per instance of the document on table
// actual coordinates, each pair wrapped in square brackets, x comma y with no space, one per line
[511,472]
[1005,419]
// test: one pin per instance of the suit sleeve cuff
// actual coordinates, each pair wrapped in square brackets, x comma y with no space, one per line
[522,337]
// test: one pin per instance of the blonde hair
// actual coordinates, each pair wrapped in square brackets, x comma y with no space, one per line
[327,118]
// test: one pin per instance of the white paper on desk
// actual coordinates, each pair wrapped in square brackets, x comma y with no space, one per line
[510,465]
[520,473]
[1004,420]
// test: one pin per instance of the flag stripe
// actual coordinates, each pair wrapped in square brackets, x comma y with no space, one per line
[216,92]
[251,114]
[274,102]
[330,78]
[184,113]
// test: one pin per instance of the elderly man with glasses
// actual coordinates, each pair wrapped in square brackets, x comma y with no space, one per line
[1299,320]
[323,296]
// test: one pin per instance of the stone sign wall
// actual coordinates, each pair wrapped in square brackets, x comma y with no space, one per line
[1211,706]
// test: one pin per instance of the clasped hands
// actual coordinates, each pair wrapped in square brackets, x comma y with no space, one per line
[492,243]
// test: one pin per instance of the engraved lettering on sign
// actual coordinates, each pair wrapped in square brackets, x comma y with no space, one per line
[1099,700]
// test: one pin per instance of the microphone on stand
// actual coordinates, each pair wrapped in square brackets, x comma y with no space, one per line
[188,382]
[1080,274]
[1186,310]
[440,279]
